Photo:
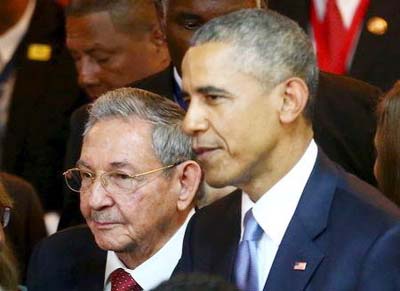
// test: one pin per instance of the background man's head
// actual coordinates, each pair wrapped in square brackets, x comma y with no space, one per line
[249,77]
[181,18]
[8,265]
[114,42]
[10,12]
[131,131]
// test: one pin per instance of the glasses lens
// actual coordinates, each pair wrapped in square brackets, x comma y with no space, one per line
[121,182]
[5,215]
[73,179]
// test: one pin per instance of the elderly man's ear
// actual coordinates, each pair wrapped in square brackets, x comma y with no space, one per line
[189,178]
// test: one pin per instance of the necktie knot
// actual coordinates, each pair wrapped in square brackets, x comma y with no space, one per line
[123,281]
[252,230]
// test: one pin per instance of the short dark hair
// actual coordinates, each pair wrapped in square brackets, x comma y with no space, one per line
[388,144]
[267,45]
[127,15]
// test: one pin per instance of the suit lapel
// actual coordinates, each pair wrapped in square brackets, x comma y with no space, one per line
[226,262]
[222,240]
[89,271]
[299,255]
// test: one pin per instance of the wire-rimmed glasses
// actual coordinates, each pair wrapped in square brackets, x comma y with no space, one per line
[79,180]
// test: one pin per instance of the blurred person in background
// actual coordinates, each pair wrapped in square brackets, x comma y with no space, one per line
[26,228]
[38,91]
[387,143]
[8,266]
[354,37]
[114,43]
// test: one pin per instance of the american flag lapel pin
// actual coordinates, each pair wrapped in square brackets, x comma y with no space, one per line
[300,266]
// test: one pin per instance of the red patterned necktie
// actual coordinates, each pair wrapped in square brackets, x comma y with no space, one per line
[122,281]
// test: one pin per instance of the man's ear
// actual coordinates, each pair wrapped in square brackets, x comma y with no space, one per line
[158,36]
[294,99]
[189,178]
[160,15]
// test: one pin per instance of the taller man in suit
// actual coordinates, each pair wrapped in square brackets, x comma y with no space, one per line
[302,223]
[137,185]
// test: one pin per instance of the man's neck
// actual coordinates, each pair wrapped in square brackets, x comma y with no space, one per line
[283,160]
[143,250]
[10,12]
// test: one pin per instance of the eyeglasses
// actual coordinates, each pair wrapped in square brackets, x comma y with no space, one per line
[80,180]
[5,213]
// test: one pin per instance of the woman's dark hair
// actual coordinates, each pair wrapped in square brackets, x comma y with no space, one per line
[387,142]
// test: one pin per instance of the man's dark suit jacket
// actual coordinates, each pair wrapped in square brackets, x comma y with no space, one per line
[69,260]
[45,94]
[376,57]
[345,231]
[344,126]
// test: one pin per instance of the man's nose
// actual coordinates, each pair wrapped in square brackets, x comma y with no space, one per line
[87,72]
[97,196]
[195,118]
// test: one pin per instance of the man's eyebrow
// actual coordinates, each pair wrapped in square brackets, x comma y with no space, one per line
[81,163]
[206,90]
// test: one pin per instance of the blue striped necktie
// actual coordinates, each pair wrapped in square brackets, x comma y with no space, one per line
[246,271]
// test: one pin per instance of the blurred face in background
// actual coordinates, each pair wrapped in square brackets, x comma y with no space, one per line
[107,58]
[184,17]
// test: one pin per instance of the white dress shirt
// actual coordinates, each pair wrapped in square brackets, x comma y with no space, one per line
[155,269]
[347,9]
[274,210]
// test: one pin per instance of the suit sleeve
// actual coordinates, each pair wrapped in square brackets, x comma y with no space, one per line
[381,269]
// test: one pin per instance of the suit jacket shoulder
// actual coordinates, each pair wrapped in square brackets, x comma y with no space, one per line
[161,83]
[211,238]
[342,229]
[344,123]
[67,260]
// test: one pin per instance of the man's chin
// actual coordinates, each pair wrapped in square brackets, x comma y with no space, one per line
[110,244]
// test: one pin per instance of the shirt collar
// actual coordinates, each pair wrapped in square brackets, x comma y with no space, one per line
[177,78]
[274,210]
[158,267]
[10,40]
[347,9]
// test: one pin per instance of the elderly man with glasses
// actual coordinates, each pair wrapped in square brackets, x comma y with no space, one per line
[137,183]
